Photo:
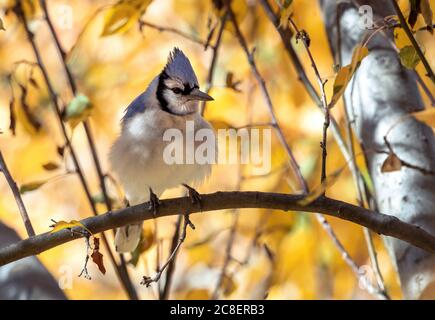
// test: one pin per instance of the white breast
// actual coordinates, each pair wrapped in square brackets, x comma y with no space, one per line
[137,155]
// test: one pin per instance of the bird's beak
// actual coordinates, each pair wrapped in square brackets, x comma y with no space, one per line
[197,94]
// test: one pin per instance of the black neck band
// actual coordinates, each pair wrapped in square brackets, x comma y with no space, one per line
[160,88]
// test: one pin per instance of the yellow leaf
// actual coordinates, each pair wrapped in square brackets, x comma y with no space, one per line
[228,285]
[50,166]
[319,190]
[60,225]
[345,74]
[31,186]
[391,163]
[426,12]
[197,294]
[30,8]
[427,116]
[121,17]
[285,13]
[409,57]
[221,124]
[2,26]
[146,242]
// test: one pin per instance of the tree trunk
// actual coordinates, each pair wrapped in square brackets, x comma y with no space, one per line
[381,93]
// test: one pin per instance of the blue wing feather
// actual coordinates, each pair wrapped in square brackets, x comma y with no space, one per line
[135,107]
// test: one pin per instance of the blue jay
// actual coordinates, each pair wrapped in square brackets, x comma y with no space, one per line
[136,157]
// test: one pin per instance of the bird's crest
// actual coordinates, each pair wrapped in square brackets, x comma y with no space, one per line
[178,66]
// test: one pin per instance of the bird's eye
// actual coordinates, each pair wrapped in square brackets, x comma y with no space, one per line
[176,90]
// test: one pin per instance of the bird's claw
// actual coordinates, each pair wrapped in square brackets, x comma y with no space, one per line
[194,195]
[154,202]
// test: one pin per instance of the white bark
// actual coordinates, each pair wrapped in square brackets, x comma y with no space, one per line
[381,93]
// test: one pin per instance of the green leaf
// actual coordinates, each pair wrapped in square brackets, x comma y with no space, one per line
[31,186]
[98,198]
[77,110]
[409,57]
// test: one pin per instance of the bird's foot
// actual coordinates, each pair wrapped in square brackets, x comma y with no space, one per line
[154,203]
[194,195]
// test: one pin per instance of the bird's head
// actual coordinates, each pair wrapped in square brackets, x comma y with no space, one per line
[178,90]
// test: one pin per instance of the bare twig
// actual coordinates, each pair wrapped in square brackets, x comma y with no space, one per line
[229,246]
[164,294]
[357,178]
[21,15]
[417,48]
[17,196]
[386,24]
[214,58]
[268,100]
[228,255]
[121,269]
[146,281]
[322,103]
[303,36]
[176,31]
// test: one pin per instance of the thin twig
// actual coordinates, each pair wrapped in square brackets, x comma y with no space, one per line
[321,102]
[228,255]
[164,294]
[159,28]
[286,36]
[357,178]
[53,97]
[214,58]
[262,84]
[121,269]
[146,281]
[229,246]
[417,48]
[17,196]
[386,24]
[303,36]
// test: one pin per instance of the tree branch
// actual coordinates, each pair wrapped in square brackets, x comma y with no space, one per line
[250,57]
[53,97]
[416,46]
[211,69]
[380,223]
[122,268]
[17,195]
